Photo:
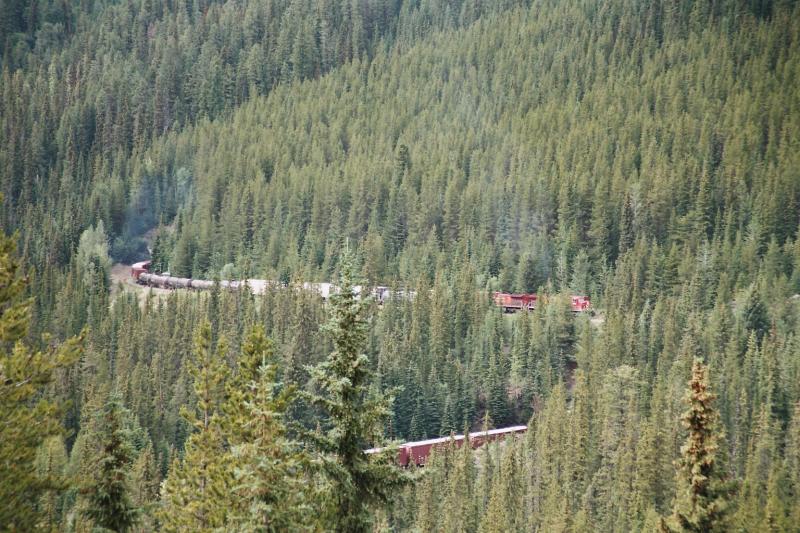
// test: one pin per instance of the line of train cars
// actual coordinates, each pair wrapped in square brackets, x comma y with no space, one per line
[509,302]
[419,451]
[142,275]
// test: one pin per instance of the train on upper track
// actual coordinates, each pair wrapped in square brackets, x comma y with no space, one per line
[508,302]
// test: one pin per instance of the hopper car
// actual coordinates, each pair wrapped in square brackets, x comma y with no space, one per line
[417,453]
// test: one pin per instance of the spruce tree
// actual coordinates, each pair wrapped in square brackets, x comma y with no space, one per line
[269,486]
[27,417]
[459,495]
[702,495]
[357,417]
[51,461]
[626,230]
[195,496]
[110,506]
[145,479]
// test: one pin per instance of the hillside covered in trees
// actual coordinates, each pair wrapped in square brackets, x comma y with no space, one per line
[646,154]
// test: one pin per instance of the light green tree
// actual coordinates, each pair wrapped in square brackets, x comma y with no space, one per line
[195,496]
[270,488]
[27,417]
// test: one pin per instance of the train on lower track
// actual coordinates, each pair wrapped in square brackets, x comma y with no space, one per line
[417,453]
[508,302]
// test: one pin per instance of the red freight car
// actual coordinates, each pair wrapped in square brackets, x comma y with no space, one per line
[418,452]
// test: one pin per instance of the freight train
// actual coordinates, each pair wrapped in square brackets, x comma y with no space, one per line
[142,275]
[419,451]
[508,302]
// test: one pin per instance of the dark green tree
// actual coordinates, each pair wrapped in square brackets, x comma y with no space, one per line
[626,229]
[110,505]
[357,417]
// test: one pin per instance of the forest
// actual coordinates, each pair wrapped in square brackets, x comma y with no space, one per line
[644,154]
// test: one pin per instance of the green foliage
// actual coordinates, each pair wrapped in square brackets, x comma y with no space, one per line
[270,489]
[702,497]
[26,417]
[92,254]
[641,153]
[197,492]
[109,502]
[357,417]
[240,470]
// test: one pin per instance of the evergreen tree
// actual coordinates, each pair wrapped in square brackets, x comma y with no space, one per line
[110,505]
[702,498]
[357,417]
[51,461]
[458,501]
[505,498]
[145,480]
[27,417]
[269,488]
[196,494]
[626,229]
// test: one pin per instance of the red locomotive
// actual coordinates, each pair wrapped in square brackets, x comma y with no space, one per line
[513,302]
[137,269]
[419,451]
[580,303]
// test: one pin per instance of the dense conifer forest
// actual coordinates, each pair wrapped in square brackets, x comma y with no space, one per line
[645,154]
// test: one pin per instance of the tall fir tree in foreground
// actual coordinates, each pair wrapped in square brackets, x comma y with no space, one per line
[110,506]
[357,417]
[270,489]
[240,471]
[702,494]
[196,494]
[27,417]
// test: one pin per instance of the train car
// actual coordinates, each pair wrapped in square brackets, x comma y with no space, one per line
[513,302]
[202,284]
[153,280]
[580,304]
[137,269]
[418,452]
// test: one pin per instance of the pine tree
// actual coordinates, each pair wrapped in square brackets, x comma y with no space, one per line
[195,496]
[109,492]
[357,418]
[754,313]
[458,501]
[626,229]
[270,491]
[505,498]
[792,459]
[26,417]
[145,479]
[702,498]
[51,461]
